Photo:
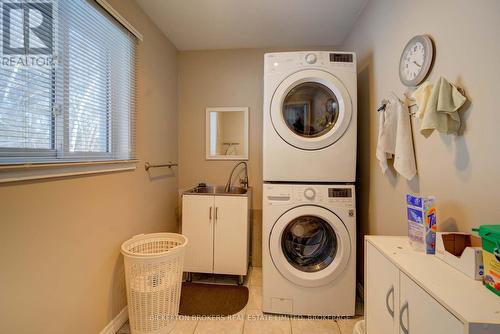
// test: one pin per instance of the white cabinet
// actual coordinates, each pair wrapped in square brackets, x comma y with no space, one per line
[408,292]
[217,228]
[231,235]
[382,292]
[420,313]
[198,227]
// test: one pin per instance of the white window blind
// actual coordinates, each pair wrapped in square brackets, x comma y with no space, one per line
[82,108]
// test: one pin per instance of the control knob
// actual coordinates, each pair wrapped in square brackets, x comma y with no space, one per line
[309,193]
[311,58]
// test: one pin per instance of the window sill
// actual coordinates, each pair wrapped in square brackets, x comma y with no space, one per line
[36,171]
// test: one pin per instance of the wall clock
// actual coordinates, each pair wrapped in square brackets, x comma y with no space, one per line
[416,60]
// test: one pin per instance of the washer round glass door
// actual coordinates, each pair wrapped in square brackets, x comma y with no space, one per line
[310,246]
[311,109]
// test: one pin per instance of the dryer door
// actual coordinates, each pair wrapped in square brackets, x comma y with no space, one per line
[311,109]
[310,246]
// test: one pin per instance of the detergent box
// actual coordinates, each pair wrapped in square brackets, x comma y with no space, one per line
[490,237]
[421,214]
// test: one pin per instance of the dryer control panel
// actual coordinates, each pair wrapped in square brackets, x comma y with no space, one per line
[286,61]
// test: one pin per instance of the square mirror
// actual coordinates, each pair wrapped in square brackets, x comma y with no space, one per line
[227,133]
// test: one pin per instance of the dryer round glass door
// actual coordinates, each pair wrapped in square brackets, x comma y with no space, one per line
[311,109]
[310,246]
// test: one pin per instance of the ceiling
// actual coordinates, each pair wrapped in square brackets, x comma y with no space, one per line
[228,24]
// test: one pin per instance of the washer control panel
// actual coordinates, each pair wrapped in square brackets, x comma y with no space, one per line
[324,194]
[321,194]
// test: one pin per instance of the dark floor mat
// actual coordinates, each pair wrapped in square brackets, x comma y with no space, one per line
[212,299]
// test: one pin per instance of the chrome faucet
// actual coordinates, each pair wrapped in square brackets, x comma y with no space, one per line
[243,181]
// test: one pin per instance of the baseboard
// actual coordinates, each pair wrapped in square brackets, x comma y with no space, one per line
[360,290]
[117,322]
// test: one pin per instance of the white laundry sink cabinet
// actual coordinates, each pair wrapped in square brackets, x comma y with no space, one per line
[218,232]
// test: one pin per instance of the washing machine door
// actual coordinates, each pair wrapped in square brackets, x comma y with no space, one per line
[311,109]
[310,246]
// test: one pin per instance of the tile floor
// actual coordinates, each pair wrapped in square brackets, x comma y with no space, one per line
[250,320]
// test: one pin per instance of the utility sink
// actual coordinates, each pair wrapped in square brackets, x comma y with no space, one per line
[218,190]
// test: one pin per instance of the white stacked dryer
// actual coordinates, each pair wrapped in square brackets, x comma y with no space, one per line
[310,117]
[309,166]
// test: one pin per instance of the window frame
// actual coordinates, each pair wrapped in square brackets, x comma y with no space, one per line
[60,127]
[19,164]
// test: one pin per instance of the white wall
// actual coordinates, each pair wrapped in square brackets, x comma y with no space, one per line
[61,268]
[223,78]
[462,171]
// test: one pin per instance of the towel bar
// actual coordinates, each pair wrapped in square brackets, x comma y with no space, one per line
[148,165]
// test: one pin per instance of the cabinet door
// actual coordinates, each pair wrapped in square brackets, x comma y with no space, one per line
[231,235]
[197,226]
[422,314]
[382,293]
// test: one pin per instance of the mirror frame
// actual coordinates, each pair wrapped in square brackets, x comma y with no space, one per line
[245,111]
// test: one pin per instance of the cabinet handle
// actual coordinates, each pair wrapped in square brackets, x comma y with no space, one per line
[401,325]
[216,213]
[391,291]
[210,214]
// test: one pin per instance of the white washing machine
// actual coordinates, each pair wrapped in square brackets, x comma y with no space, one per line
[309,249]
[310,116]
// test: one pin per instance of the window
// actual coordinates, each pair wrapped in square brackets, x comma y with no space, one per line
[67,83]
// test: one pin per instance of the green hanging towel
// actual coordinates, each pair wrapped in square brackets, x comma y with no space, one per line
[442,109]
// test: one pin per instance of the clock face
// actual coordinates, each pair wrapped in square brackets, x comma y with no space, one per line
[416,60]
[413,60]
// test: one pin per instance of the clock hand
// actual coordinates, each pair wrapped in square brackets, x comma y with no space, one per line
[414,62]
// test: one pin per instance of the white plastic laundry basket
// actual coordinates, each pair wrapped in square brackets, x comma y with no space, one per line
[359,327]
[153,273]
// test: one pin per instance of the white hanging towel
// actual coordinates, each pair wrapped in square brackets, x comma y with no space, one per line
[395,139]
